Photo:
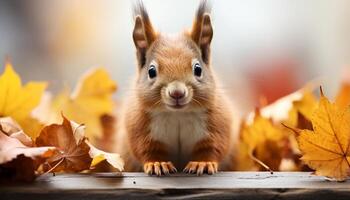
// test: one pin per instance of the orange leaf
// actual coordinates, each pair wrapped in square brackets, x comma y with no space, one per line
[327,148]
[343,97]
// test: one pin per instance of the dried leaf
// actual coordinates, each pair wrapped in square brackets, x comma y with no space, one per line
[73,152]
[326,149]
[21,168]
[10,148]
[98,156]
[18,161]
[12,129]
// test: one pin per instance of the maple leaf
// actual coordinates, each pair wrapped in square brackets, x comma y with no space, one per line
[73,152]
[91,99]
[18,161]
[18,101]
[326,148]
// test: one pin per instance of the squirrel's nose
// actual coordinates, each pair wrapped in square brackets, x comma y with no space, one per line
[177,94]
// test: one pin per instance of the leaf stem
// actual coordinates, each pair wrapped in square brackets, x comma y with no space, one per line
[54,167]
[260,163]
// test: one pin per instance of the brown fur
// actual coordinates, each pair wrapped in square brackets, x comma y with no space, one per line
[174,57]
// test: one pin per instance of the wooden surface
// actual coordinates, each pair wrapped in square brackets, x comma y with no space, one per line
[225,185]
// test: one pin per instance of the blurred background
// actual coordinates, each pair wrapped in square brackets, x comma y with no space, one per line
[262,49]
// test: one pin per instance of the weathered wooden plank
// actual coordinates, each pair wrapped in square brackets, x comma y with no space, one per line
[225,185]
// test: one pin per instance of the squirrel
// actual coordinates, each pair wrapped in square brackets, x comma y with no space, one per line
[176,116]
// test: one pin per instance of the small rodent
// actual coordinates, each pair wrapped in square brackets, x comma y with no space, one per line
[176,117]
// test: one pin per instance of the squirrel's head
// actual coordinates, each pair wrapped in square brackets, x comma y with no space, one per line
[174,72]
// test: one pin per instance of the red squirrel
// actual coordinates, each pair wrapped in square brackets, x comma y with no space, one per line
[176,117]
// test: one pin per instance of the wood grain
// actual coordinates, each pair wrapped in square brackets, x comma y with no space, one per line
[224,185]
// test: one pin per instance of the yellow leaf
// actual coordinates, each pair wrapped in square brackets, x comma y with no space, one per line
[98,156]
[91,99]
[262,142]
[286,109]
[31,126]
[17,101]
[326,149]
[305,106]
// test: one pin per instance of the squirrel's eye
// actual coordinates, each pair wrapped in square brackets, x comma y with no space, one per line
[152,72]
[197,70]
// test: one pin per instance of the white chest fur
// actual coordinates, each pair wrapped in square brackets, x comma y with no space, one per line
[179,130]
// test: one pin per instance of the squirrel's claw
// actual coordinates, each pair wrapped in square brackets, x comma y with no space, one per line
[159,168]
[200,167]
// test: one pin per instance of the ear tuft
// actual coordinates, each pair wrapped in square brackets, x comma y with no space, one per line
[202,30]
[207,31]
[139,37]
[143,34]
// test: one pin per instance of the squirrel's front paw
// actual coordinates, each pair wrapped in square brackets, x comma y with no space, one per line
[159,168]
[199,167]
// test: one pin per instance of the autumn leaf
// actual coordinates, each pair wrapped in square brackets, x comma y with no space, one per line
[21,168]
[343,98]
[302,109]
[12,129]
[288,108]
[261,141]
[32,126]
[18,161]
[294,110]
[18,101]
[326,148]
[91,99]
[11,147]
[73,152]
[98,156]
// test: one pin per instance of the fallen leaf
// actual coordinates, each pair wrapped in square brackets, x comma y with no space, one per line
[17,101]
[73,152]
[18,161]
[91,99]
[11,147]
[12,129]
[326,148]
[21,168]
[98,156]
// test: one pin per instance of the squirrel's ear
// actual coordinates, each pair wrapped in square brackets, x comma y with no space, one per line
[143,34]
[202,30]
